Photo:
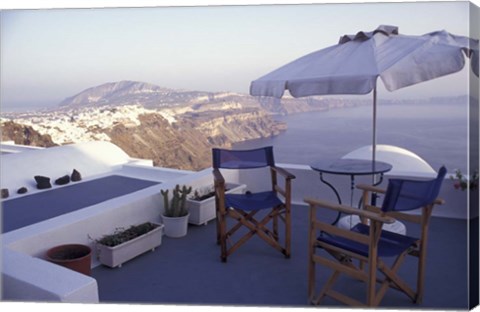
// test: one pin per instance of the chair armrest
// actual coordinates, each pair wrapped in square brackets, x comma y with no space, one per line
[374,189]
[283,172]
[371,188]
[349,210]
[218,177]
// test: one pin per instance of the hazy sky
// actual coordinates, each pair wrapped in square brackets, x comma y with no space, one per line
[50,54]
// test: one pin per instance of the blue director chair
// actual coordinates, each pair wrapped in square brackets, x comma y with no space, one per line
[368,243]
[242,208]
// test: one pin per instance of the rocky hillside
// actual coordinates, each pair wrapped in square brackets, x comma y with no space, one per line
[166,145]
[187,144]
[24,135]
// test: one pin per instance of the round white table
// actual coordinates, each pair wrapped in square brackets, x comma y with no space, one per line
[352,168]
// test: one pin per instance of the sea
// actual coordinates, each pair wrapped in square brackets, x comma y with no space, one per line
[438,133]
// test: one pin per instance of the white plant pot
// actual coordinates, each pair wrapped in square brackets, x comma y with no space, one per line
[203,211]
[117,255]
[175,227]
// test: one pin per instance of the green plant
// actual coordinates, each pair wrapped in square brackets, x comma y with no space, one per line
[121,235]
[463,183]
[203,193]
[176,206]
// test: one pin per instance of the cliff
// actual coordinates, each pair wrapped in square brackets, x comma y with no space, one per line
[24,135]
[187,144]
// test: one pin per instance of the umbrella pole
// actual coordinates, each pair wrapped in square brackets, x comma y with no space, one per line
[374,142]
[374,132]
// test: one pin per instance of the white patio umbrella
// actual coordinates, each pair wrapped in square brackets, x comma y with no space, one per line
[354,64]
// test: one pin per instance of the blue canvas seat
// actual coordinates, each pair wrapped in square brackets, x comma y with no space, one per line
[253,201]
[389,245]
[368,243]
[242,208]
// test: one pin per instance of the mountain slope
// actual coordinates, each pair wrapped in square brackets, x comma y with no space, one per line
[156,139]
[151,96]
[24,135]
[128,93]
[187,144]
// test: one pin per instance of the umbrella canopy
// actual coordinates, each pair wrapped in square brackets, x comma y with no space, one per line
[354,64]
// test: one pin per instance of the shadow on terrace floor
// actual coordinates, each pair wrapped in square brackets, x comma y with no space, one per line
[189,271]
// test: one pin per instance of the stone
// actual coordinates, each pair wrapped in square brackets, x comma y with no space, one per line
[76,176]
[5,193]
[63,180]
[43,182]
[22,190]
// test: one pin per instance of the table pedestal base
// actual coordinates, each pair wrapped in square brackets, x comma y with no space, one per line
[347,222]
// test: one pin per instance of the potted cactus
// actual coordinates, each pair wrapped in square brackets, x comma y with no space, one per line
[175,215]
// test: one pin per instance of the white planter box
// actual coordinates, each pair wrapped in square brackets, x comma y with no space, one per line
[115,256]
[203,211]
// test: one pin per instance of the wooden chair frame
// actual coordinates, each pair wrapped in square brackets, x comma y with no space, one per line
[246,219]
[368,274]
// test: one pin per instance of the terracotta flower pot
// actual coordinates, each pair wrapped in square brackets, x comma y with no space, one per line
[73,256]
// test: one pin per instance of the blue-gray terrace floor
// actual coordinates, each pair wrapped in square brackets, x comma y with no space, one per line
[188,271]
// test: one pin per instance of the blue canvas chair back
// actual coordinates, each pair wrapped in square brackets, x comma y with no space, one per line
[405,195]
[243,159]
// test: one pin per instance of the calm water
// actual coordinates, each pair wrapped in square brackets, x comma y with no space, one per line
[437,133]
